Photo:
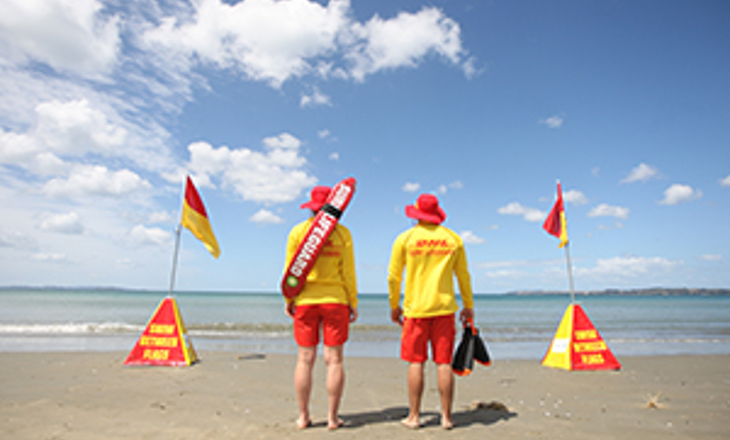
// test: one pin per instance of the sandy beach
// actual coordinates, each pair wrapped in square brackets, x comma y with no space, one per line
[250,396]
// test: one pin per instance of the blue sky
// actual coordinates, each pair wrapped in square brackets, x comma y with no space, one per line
[107,105]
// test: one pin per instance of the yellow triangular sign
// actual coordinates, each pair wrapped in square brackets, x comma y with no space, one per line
[165,340]
[577,345]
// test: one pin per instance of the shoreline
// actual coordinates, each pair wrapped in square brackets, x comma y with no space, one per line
[91,395]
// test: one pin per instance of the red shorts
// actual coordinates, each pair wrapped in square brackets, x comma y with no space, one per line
[418,332]
[333,318]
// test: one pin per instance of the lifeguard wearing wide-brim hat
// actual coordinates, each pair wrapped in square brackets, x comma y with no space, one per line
[317,198]
[432,255]
[323,309]
[426,209]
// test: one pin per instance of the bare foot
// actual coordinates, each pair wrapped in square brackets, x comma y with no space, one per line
[447,424]
[332,426]
[304,423]
[411,423]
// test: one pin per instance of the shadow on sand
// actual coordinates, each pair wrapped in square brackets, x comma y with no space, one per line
[464,418]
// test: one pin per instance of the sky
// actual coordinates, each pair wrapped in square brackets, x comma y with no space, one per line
[106,106]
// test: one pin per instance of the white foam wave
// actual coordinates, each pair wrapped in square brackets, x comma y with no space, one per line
[78,328]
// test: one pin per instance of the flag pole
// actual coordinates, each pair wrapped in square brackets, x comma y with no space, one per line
[570,273]
[174,260]
[178,230]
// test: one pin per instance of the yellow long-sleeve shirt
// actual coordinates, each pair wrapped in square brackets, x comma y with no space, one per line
[332,279]
[432,255]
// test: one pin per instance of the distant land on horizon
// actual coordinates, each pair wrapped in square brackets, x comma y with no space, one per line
[652,291]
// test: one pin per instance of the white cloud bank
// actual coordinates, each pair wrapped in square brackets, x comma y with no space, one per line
[275,41]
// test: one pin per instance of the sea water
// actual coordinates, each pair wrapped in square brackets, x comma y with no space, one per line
[513,326]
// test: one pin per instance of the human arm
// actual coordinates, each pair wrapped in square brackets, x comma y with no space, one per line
[461,270]
[395,274]
[348,269]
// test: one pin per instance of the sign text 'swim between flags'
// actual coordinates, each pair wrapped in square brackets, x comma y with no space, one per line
[195,218]
[555,223]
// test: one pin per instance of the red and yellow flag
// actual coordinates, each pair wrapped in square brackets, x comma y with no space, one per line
[555,223]
[195,218]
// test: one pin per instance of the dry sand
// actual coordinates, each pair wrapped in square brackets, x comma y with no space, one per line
[249,396]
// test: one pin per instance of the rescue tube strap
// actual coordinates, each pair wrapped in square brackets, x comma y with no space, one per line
[331,210]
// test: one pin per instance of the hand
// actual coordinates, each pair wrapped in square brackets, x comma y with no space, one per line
[396,315]
[289,309]
[466,315]
[353,314]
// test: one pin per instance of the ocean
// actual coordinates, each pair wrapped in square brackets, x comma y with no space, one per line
[513,326]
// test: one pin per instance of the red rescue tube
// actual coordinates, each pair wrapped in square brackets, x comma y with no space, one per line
[322,226]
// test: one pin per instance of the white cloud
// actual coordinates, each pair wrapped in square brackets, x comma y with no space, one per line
[17,240]
[725,181]
[266,40]
[63,132]
[53,257]
[604,210]
[277,175]
[553,121]
[315,99]
[67,129]
[264,216]
[324,134]
[641,173]
[711,257]
[529,214]
[66,223]
[471,238]
[678,193]
[575,197]
[283,141]
[89,180]
[159,217]
[404,41]
[150,236]
[411,187]
[629,266]
[67,35]
[334,156]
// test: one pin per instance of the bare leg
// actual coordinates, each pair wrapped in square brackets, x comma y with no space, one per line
[335,384]
[303,383]
[415,391]
[446,389]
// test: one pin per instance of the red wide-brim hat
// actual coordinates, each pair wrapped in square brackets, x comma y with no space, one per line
[317,199]
[427,209]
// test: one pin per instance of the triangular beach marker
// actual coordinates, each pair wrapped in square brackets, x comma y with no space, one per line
[164,341]
[577,345]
